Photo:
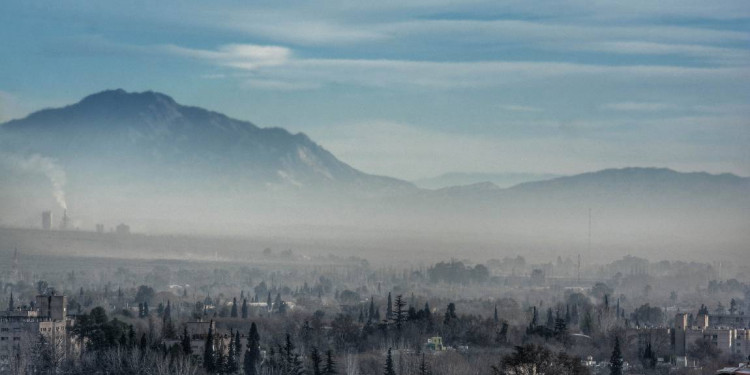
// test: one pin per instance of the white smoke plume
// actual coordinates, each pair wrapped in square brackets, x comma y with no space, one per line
[41,164]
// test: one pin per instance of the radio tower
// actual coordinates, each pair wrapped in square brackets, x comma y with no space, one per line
[589,231]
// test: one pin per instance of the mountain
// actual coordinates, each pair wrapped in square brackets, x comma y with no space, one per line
[145,160]
[502,180]
[149,136]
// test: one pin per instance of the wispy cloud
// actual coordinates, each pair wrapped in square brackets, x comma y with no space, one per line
[280,66]
[241,56]
[638,106]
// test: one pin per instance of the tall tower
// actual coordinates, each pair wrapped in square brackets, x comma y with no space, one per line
[15,272]
[47,220]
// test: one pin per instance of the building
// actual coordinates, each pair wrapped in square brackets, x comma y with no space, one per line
[730,320]
[122,229]
[47,220]
[21,328]
[728,339]
[435,343]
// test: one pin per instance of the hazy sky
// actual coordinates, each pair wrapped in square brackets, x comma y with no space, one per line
[420,89]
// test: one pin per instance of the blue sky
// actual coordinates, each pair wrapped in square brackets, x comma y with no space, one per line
[414,89]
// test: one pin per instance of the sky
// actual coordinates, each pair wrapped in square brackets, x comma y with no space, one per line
[419,88]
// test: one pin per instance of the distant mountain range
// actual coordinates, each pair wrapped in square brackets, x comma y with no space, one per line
[143,157]
[148,134]
[502,180]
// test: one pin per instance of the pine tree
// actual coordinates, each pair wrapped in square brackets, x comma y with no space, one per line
[389,370]
[186,347]
[330,367]
[389,308]
[244,308]
[496,317]
[233,314]
[615,363]
[209,360]
[11,306]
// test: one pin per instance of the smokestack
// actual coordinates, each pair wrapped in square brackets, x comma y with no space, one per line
[47,220]
[64,222]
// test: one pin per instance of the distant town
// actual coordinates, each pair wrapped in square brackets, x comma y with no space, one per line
[280,312]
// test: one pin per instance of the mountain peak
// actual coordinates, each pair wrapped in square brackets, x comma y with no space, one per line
[120,97]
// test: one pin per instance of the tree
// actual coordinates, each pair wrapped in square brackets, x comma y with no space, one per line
[615,363]
[399,317]
[703,349]
[450,314]
[231,364]
[389,370]
[185,343]
[649,357]
[11,306]
[423,369]
[535,359]
[167,325]
[252,353]
[244,308]
[371,313]
[330,367]
[144,294]
[316,361]
[389,308]
[209,359]
[233,314]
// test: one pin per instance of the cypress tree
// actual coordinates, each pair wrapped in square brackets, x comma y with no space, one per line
[615,363]
[244,308]
[233,314]
[232,365]
[186,347]
[209,360]
[252,352]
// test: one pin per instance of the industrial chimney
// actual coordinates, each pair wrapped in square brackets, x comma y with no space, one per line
[47,220]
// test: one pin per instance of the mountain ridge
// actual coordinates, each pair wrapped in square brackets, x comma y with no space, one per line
[153,127]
